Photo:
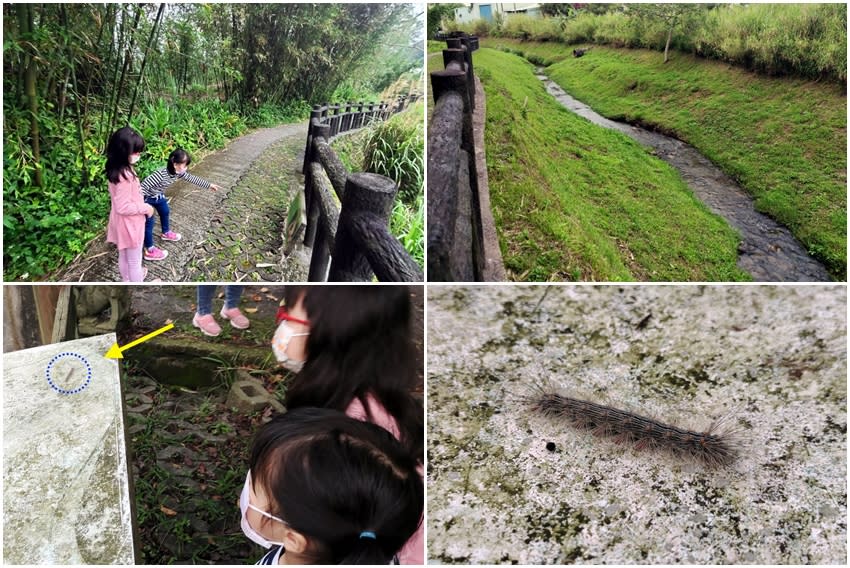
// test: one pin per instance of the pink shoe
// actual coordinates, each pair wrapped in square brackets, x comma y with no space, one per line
[171,236]
[236,318]
[206,324]
[154,253]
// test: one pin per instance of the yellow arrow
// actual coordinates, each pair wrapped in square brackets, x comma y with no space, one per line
[115,351]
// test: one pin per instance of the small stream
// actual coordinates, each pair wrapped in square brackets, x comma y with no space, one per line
[768,251]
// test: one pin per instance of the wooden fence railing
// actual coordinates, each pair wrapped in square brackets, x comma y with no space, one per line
[354,238]
[455,236]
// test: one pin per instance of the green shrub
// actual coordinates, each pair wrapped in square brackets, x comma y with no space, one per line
[395,149]
[407,223]
[580,29]
[808,40]
[525,27]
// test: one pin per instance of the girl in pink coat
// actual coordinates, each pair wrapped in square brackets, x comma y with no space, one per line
[127,217]
[353,351]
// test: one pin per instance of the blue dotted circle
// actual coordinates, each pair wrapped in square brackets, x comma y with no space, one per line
[59,389]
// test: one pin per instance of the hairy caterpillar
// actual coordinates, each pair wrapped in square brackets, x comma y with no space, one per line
[714,447]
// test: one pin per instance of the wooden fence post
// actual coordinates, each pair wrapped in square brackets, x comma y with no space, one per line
[315,113]
[365,193]
[470,72]
[346,120]
[359,118]
[336,120]
[446,134]
[312,204]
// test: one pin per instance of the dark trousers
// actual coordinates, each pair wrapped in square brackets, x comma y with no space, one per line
[160,203]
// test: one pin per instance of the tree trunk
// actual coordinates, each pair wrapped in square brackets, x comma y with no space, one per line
[25,23]
[667,45]
[144,60]
[128,56]
[106,128]
[95,50]
[73,73]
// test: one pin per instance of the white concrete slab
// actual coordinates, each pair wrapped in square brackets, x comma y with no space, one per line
[507,485]
[66,488]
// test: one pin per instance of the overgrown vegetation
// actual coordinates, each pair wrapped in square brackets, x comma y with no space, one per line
[573,201]
[74,73]
[782,139]
[395,149]
[807,40]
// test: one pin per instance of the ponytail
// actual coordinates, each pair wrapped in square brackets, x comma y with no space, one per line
[348,486]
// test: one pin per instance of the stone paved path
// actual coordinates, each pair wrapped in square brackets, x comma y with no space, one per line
[230,235]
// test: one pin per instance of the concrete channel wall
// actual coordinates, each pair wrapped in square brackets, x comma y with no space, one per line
[67,496]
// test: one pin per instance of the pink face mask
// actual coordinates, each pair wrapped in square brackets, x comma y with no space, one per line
[249,531]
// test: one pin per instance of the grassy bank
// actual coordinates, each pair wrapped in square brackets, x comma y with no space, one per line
[573,201]
[783,140]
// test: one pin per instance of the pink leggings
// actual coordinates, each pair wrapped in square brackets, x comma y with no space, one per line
[130,265]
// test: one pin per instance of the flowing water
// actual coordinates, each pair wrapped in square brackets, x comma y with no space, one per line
[768,251]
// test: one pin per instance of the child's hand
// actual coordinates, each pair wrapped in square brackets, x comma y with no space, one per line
[150,212]
[214,187]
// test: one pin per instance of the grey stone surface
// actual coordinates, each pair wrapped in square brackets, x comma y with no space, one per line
[770,358]
[66,495]
[249,395]
[494,268]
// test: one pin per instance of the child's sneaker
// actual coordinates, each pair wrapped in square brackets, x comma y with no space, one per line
[171,236]
[154,253]
[206,324]
[236,318]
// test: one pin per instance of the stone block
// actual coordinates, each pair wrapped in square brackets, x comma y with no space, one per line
[249,395]
[66,486]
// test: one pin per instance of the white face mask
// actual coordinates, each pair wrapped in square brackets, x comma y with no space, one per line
[280,343]
[249,531]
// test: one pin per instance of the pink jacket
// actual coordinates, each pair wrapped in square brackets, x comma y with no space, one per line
[413,551]
[127,217]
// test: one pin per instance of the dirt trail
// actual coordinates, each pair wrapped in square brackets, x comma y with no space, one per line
[768,251]
[229,235]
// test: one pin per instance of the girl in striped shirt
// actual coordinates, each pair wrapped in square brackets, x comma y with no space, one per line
[153,189]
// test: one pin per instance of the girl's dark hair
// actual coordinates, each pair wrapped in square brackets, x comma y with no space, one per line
[178,156]
[122,143]
[331,478]
[360,343]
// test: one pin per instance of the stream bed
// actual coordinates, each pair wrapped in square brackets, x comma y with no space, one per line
[768,251]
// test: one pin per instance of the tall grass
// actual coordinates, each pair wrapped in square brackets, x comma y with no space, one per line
[807,40]
[810,39]
[395,149]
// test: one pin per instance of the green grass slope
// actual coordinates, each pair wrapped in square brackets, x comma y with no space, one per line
[573,201]
[784,140]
